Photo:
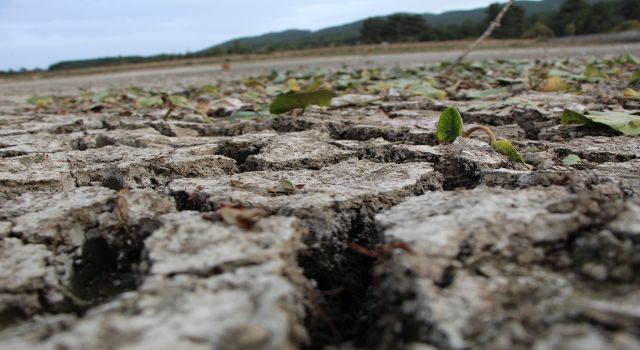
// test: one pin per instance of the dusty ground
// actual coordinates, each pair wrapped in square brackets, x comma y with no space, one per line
[123,226]
[204,74]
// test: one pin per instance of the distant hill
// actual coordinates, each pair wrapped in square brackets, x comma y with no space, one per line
[350,33]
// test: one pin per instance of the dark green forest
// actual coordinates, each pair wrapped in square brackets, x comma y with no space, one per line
[573,17]
[525,19]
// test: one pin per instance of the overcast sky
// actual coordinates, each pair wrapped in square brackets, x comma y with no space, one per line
[37,33]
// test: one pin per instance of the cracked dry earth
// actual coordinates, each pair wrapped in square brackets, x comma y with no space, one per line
[474,251]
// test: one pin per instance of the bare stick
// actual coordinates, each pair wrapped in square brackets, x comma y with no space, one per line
[487,33]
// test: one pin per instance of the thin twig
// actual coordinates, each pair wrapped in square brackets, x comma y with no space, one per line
[487,33]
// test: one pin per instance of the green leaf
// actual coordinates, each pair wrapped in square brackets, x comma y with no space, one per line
[630,93]
[137,91]
[286,185]
[293,85]
[572,117]
[276,77]
[506,148]
[207,90]
[316,85]
[556,84]
[635,78]
[592,72]
[274,90]
[510,81]
[101,96]
[149,102]
[425,89]
[379,87]
[179,101]
[344,84]
[627,124]
[571,159]
[183,102]
[40,101]
[289,102]
[450,126]
[254,84]
[27,160]
[563,74]
[631,59]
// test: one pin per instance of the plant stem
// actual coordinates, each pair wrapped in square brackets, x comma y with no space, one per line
[495,24]
[485,129]
[169,111]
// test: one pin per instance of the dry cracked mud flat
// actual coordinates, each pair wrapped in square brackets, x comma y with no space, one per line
[118,227]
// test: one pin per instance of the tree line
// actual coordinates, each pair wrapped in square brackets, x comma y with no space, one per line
[575,17]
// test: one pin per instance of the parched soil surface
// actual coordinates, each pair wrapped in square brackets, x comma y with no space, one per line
[188,217]
[198,75]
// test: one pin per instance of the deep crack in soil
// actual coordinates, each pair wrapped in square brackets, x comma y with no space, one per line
[110,263]
[345,284]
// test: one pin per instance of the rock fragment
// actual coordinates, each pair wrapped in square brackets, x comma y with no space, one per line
[67,251]
[489,256]
[145,167]
[53,124]
[330,196]
[250,295]
[28,173]
[305,150]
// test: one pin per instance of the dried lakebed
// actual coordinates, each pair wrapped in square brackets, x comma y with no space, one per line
[111,237]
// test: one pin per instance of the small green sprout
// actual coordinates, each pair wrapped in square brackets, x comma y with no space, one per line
[451,126]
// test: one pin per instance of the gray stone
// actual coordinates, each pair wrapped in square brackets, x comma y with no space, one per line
[583,337]
[210,284]
[328,198]
[60,217]
[144,167]
[54,124]
[140,137]
[5,229]
[438,222]
[621,175]
[305,150]
[189,244]
[596,271]
[29,280]
[20,175]
[43,269]
[474,253]
[23,144]
[628,222]
[25,268]
[597,149]
[63,218]
[251,307]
